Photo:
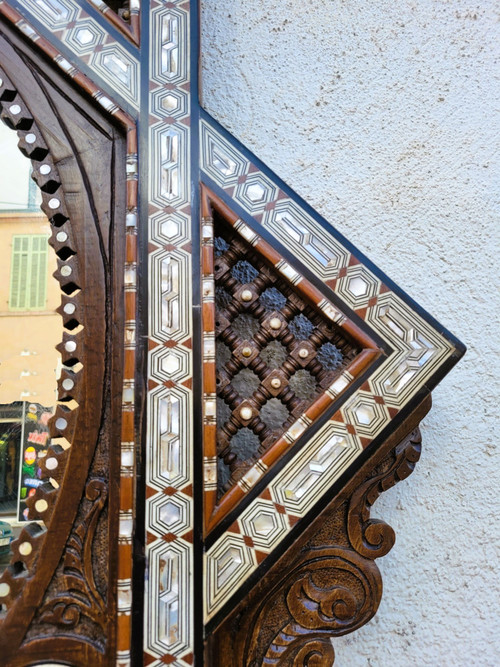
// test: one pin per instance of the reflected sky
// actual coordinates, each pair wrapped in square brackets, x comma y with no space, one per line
[18,191]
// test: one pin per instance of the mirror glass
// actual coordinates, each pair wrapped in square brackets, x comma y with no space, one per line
[29,331]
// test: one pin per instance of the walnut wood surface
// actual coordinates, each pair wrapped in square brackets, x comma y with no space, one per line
[68,591]
[327,584]
[64,605]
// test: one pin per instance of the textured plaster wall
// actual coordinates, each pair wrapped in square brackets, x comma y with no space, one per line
[385,117]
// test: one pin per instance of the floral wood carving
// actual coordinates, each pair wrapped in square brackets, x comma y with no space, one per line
[81,595]
[330,584]
[373,538]
[319,610]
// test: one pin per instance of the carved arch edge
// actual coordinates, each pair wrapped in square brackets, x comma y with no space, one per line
[25,549]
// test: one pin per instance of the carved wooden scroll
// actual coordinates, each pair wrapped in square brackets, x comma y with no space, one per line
[207,499]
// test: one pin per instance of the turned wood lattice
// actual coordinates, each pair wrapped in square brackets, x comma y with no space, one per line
[275,354]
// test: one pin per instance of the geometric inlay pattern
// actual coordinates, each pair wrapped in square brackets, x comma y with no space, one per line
[416,348]
[231,560]
[168,580]
[168,617]
[305,354]
[90,43]
[282,353]
[115,64]
[277,354]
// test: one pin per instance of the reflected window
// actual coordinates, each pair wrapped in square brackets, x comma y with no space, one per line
[28,274]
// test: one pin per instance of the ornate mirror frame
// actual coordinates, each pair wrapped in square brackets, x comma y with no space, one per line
[148,558]
[62,577]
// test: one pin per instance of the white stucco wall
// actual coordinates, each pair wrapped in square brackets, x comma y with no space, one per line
[384,116]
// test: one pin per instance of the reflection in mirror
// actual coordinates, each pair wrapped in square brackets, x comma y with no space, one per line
[29,331]
[121,7]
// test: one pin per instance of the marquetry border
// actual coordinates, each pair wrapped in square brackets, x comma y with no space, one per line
[74,29]
[169,597]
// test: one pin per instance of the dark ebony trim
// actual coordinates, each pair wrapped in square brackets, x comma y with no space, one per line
[142,329]
[198,518]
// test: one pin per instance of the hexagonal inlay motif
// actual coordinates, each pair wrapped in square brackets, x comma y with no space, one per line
[85,36]
[358,286]
[172,103]
[255,192]
[264,525]
[169,228]
[366,414]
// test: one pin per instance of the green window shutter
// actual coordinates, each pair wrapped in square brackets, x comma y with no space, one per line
[28,279]
[15,272]
[38,273]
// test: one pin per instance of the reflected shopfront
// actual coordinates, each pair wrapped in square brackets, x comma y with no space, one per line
[23,443]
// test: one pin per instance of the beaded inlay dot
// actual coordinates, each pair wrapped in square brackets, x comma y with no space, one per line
[41,505]
[51,463]
[25,548]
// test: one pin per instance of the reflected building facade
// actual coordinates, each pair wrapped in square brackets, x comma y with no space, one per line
[29,331]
